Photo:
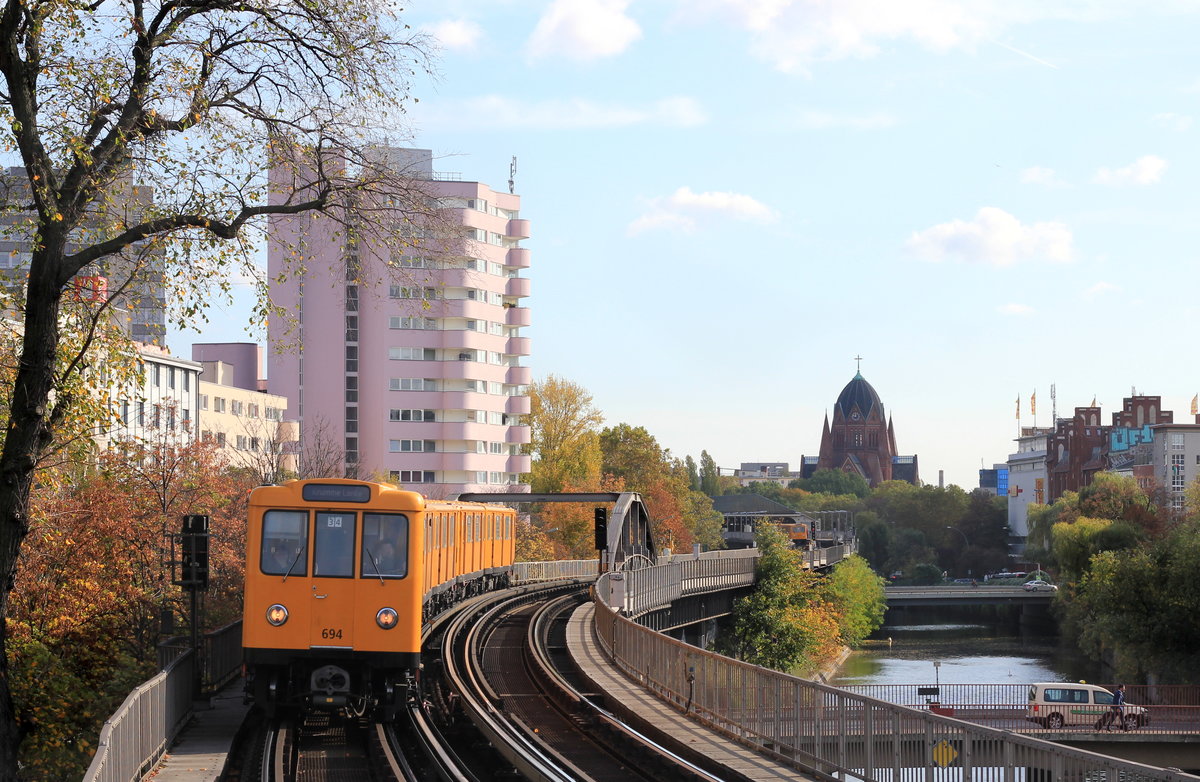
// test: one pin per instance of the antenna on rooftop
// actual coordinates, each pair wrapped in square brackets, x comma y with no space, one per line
[1053,406]
[512,173]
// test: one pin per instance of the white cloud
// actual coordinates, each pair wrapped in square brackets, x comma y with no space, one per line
[1171,121]
[1146,170]
[583,30]
[1101,288]
[1036,175]
[498,111]
[685,209]
[1013,308]
[792,34]
[993,237]
[823,120]
[456,34]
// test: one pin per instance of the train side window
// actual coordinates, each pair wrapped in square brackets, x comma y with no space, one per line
[508,527]
[467,525]
[284,540]
[333,544]
[385,545]
[479,526]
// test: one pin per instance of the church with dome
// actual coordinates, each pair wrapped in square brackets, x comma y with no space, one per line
[861,439]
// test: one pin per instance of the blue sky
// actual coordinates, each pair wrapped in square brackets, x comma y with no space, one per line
[731,199]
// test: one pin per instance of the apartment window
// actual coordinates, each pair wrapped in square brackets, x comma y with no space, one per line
[187,381]
[237,407]
[412,476]
[170,377]
[252,410]
[481,477]
[495,388]
[218,404]
[425,324]
[221,439]
[496,477]
[411,354]
[412,292]
[1176,441]
[495,418]
[351,298]
[352,328]
[204,401]
[411,415]
[241,442]
[125,413]
[351,358]
[412,384]
[411,446]
[255,444]
[185,415]
[170,418]
[495,358]
[496,447]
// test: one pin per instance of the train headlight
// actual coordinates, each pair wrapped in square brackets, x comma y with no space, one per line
[277,615]
[387,618]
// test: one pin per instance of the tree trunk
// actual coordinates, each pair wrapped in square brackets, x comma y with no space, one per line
[27,436]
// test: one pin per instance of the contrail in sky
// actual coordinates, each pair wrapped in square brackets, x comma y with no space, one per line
[1026,54]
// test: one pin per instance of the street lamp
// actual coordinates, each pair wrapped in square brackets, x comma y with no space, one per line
[960,532]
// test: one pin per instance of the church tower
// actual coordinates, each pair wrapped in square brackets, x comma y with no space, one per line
[861,439]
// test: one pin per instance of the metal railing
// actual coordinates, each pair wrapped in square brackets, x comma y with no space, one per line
[1155,709]
[139,732]
[830,731]
[532,572]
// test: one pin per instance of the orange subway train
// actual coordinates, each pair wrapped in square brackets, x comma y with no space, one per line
[339,577]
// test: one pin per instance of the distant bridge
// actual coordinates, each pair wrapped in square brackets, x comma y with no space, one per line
[959,595]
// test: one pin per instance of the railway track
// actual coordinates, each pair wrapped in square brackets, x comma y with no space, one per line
[507,663]
[499,701]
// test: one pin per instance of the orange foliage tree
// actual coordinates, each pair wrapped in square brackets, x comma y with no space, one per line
[87,605]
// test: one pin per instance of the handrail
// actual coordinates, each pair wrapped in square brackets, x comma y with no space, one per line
[822,729]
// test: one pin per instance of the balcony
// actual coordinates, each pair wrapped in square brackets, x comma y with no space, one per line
[518,257]
[518,376]
[467,308]
[518,405]
[517,346]
[520,463]
[518,435]
[467,461]
[473,340]
[453,400]
[466,430]
[517,316]
[517,286]
[517,229]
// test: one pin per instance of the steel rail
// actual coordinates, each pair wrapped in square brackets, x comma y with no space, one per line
[572,702]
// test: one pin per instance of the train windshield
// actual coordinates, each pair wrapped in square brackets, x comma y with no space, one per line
[385,545]
[285,535]
[333,544]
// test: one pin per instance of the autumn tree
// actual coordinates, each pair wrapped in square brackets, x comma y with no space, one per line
[185,97]
[563,422]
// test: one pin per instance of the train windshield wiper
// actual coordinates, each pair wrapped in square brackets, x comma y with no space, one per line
[294,561]
[374,563]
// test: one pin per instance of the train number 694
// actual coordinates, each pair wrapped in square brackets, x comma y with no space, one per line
[330,632]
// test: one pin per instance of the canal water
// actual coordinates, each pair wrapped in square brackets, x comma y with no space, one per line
[970,648]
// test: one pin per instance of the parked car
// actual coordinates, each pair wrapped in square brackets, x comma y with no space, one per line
[1054,705]
[1038,585]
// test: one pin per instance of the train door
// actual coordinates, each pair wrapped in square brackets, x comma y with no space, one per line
[333,584]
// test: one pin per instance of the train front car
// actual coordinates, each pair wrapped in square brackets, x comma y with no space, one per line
[332,616]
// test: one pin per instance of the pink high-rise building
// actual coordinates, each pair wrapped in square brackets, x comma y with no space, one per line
[415,377]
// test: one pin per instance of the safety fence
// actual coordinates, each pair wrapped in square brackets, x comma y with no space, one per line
[143,727]
[830,731]
[1158,709]
[141,730]
[533,572]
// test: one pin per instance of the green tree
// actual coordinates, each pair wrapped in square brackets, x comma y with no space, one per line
[564,440]
[857,594]
[710,475]
[1118,497]
[834,482]
[874,540]
[693,473]
[185,95]
[769,627]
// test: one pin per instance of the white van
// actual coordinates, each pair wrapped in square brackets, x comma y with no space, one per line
[1055,704]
